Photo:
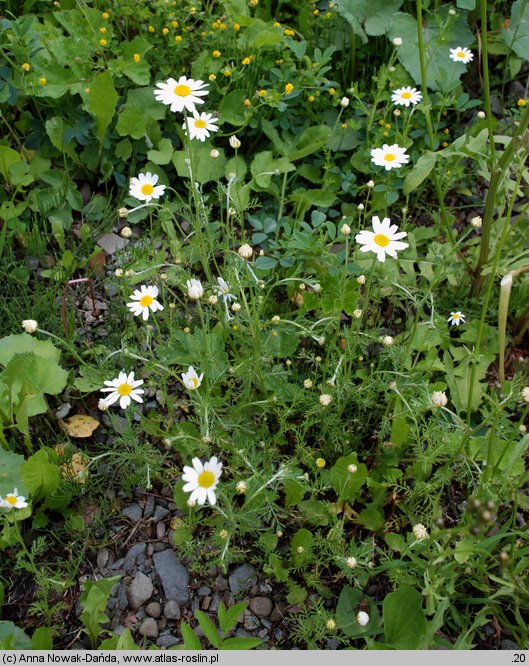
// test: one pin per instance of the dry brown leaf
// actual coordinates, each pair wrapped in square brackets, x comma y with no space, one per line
[75,469]
[80,425]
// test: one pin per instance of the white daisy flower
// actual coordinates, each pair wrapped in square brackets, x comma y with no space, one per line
[195,290]
[200,125]
[390,157]
[201,480]
[223,290]
[461,54]
[13,501]
[191,380]
[383,240]
[456,318]
[144,301]
[144,187]
[181,94]
[123,389]
[406,96]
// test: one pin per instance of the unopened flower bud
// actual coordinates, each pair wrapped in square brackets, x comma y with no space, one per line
[344,103]
[234,142]
[123,212]
[325,399]
[30,325]
[420,532]
[361,207]
[361,279]
[387,341]
[213,300]
[357,314]
[236,307]
[241,487]
[362,618]
[397,41]
[476,222]
[352,469]
[345,230]
[126,232]
[307,383]
[481,115]
[351,562]
[245,251]
[214,153]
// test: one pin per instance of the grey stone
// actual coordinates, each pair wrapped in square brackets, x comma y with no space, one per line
[242,578]
[103,555]
[266,623]
[215,603]
[149,507]
[203,591]
[123,601]
[172,610]
[173,575]
[220,583]
[112,603]
[63,410]
[263,634]
[111,243]
[110,289]
[133,555]
[140,590]
[160,531]
[251,623]
[167,641]
[242,633]
[149,628]
[333,643]
[153,609]
[507,644]
[260,606]
[159,514]
[133,512]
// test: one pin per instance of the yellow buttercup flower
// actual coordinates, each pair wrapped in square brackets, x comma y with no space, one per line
[247,102]
[102,30]
[311,98]
[26,66]
[175,24]
[521,102]
[262,93]
[42,81]
[212,77]
[216,54]
[178,39]
[332,91]
[150,28]
[105,16]
[236,27]
[289,88]
[165,31]
[102,42]
[136,57]
[246,61]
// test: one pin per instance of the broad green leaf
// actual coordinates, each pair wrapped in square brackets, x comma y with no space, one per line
[442,72]
[395,542]
[315,512]
[232,109]
[375,15]
[163,154]
[372,517]
[516,36]
[404,621]
[466,4]
[102,102]
[94,601]
[13,638]
[264,167]
[8,156]
[301,547]
[42,639]
[206,168]
[209,629]
[10,465]
[191,642]
[242,643]
[346,611]
[39,475]
[420,171]
[310,141]
[131,122]
[346,483]
[294,492]
[228,617]
[464,549]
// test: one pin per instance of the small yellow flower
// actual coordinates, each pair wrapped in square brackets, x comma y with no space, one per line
[102,30]
[385,133]
[521,102]
[246,61]
[280,61]
[387,126]
[222,26]
[247,102]
[316,12]
[178,39]
[321,462]
[332,91]
[102,42]
[236,27]
[212,77]
[136,57]
[193,10]
[235,327]
[289,88]
[262,93]
[445,144]
[253,3]
[227,72]
[277,24]
[311,98]
[289,33]
[344,126]
[446,130]
[216,54]
[203,34]
[105,16]
[26,66]
[165,31]
[42,81]
[150,28]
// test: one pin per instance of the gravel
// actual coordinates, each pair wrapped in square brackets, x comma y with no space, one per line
[173,575]
[140,590]
[242,578]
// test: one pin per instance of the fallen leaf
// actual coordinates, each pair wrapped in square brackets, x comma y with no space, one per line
[75,469]
[79,425]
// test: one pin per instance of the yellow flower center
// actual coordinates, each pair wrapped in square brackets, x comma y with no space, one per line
[455,315]
[147,189]
[146,300]
[381,239]
[200,124]
[406,95]
[11,499]
[206,479]
[182,90]
[124,389]
[460,54]
[389,157]
[194,381]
